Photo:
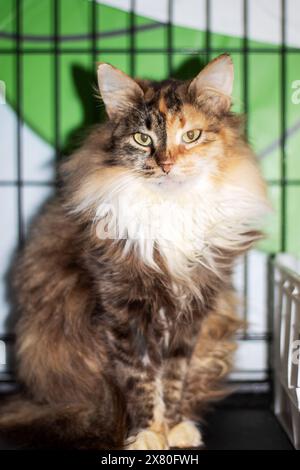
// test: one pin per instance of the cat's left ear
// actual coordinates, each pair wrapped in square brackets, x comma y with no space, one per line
[117,89]
[213,85]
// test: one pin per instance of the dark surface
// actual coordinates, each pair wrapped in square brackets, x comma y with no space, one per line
[241,422]
[245,421]
[245,429]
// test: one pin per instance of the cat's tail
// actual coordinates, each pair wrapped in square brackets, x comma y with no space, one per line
[75,426]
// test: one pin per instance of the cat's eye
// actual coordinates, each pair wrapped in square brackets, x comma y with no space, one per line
[142,139]
[191,136]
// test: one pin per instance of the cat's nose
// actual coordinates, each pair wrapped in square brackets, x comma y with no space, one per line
[166,167]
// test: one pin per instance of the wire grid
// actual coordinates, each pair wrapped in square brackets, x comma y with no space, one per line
[94,51]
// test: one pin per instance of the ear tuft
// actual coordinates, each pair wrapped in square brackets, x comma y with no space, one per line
[117,89]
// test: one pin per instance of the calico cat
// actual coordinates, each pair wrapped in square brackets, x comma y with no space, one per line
[124,288]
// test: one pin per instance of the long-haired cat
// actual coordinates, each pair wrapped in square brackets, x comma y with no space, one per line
[124,287]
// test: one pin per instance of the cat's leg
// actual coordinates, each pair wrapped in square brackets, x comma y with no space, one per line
[146,408]
[154,407]
[211,359]
[153,396]
[182,433]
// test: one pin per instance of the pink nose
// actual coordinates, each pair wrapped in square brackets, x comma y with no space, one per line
[166,167]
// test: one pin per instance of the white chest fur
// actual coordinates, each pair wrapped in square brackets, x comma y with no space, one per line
[186,221]
[183,223]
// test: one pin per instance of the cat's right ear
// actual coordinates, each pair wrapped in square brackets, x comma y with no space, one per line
[117,89]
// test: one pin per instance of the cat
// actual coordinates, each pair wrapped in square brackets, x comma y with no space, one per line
[127,310]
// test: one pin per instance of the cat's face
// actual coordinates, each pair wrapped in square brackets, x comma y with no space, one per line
[171,169]
[170,132]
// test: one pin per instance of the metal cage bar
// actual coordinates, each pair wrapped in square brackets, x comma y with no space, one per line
[19,92]
[283,165]
[56,78]
[246,109]
[154,50]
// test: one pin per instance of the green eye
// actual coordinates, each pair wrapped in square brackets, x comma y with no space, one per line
[191,136]
[142,139]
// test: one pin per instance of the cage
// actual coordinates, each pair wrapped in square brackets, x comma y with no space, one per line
[286,341]
[48,51]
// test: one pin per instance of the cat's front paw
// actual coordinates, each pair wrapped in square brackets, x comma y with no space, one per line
[185,435]
[147,440]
